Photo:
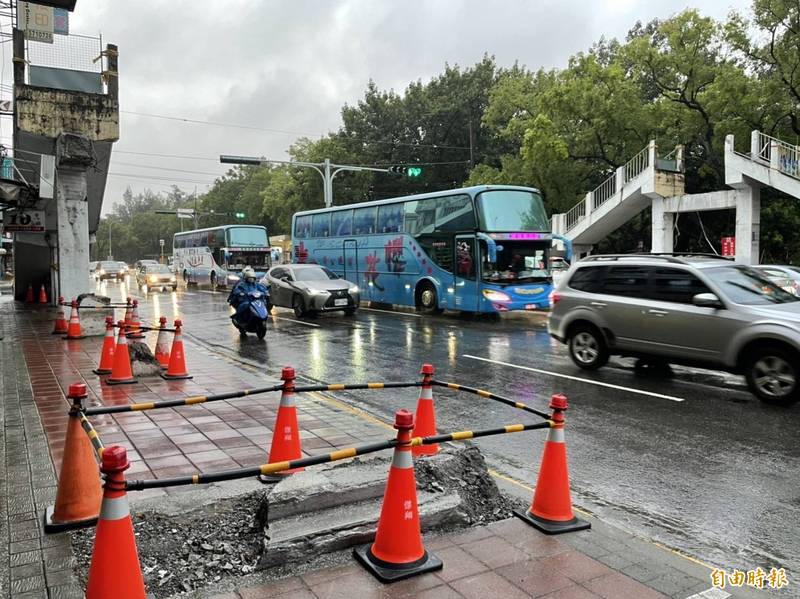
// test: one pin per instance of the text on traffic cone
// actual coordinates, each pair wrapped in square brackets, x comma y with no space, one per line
[551,509]
[78,496]
[121,372]
[115,570]
[425,416]
[107,354]
[176,369]
[398,552]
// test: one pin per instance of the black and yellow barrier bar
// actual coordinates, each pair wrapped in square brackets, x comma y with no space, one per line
[97,443]
[142,327]
[356,386]
[172,403]
[342,454]
[493,396]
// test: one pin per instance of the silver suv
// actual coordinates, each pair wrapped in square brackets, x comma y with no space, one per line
[696,310]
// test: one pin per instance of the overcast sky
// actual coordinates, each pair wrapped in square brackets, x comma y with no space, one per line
[290,65]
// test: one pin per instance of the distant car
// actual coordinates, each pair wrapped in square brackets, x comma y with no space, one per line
[139,263]
[155,276]
[310,288]
[702,311]
[785,277]
[124,267]
[108,269]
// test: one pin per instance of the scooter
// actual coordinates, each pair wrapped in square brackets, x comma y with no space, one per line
[251,315]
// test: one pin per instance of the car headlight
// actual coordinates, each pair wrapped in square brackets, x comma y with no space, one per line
[102,272]
[496,296]
[354,289]
[312,291]
[172,279]
[153,278]
[233,278]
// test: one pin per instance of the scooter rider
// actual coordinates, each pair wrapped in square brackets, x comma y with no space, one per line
[247,284]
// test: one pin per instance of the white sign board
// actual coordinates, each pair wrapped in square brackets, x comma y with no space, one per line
[47,176]
[36,21]
[5,105]
[185,212]
[161,242]
[30,221]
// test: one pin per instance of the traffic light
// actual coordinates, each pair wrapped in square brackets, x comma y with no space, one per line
[397,170]
[239,214]
[412,172]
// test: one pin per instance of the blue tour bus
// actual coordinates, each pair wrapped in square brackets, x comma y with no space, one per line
[477,249]
[216,256]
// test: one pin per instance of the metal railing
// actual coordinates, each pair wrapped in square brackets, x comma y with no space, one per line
[763,147]
[575,215]
[778,154]
[637,165]
[603,192]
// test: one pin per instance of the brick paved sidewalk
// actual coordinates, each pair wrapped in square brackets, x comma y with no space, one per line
[504,559]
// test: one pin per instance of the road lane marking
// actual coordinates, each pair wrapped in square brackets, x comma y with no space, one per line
[308,324]
[392,312]
[577,378]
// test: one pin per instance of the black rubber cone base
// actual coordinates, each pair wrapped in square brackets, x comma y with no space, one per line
[98,371]
[271,479]
[121,381]
[51,527]
[174,377]
[552,527]
[386,572]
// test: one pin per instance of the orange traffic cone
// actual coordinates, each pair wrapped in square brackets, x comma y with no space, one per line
[107,354]
[425,421]
[285,433]
[135,330]
[551,510]
[60,327]
[115,570]
[74,328]
[121,370]
[397,552]
[176,369]
[78,496]
[42,295]
[162,347]
[29,295]
[128,308]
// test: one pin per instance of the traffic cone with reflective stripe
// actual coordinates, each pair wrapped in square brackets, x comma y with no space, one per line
[74,328]
[107,354]
[42,295]
[60,327]
[162,347]
[128,308]
[136,323]
[121,370]
[176,369]
[425,417]
[551,510]
[29,295]
[115,570]
[286,433]
[78,496]
[398,552]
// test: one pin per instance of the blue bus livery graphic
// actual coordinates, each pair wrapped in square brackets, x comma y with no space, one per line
[478,249]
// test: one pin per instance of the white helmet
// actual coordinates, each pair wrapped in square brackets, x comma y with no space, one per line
[248,273]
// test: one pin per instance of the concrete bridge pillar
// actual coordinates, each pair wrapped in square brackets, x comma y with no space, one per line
[748,224]
[663,224]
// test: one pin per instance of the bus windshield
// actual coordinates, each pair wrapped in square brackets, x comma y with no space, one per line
[512,210]
[243,236]
[517,262]
[237,260]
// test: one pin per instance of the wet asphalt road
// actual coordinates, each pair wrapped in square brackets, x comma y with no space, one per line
[690,460]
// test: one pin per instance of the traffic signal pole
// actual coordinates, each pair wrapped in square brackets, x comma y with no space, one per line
[327,170]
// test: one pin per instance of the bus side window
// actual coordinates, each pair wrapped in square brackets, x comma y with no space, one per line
[390,218]
[341,222]
[364,220]
[321,225]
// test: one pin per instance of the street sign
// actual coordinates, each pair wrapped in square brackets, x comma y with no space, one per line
[36,21]
[728,246]
[5,106]
[184,212]
[29,221]
[161,242]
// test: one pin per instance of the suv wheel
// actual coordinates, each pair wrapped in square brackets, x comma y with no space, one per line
[771,374]
[587,348]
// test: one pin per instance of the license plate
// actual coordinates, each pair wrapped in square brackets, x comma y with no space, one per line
[340,302]
[530,306]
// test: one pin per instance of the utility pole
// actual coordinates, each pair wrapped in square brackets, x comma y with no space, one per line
[110,255]
[327,170]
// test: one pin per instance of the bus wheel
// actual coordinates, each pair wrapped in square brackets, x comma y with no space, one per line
[427,298]
[213,281]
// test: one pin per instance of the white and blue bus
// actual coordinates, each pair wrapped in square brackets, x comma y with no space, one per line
[217,255]
[478,249]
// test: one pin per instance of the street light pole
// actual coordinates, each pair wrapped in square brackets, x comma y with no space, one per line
[110,257]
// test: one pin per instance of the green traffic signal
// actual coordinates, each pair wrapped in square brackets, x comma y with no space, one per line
[239,215]
[414,171]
